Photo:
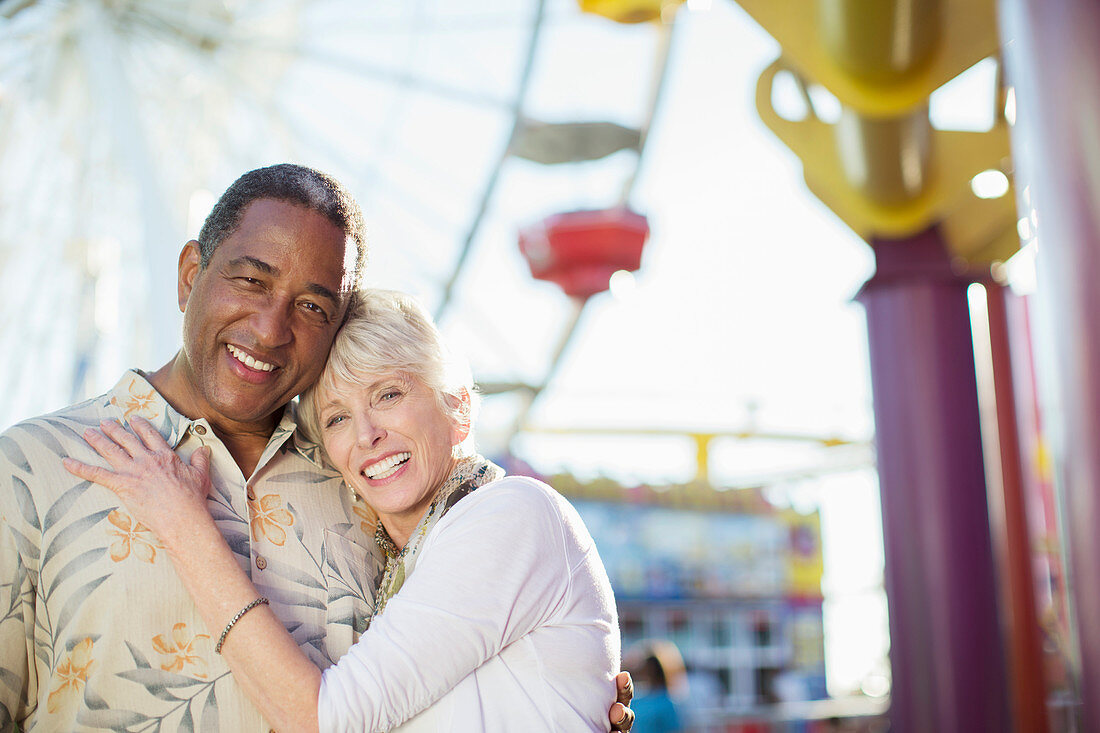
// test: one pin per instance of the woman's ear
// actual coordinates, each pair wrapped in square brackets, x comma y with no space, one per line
[460,403]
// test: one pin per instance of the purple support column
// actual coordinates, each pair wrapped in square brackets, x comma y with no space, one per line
[945,647]
[1052,56]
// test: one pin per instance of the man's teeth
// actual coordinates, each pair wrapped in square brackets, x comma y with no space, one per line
[248,361]
[386,467]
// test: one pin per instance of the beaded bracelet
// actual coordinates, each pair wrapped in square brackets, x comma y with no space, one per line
[225,632]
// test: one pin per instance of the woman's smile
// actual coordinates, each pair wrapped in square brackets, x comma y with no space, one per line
[386,467]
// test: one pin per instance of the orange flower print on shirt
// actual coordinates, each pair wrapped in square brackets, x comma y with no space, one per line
[136,401]
[73,673]
[180,651]
[370,519]
[133,537]
[268,519]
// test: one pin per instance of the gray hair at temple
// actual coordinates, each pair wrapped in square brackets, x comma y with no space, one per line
[295,184]
[387,332]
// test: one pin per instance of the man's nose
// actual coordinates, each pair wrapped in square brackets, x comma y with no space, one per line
[271,323]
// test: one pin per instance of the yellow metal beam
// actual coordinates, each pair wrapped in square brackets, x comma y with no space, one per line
[893,177]
[828,441]
[882,58]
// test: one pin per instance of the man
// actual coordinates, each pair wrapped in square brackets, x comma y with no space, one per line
[96,630]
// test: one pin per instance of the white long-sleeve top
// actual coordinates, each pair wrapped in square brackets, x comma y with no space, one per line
[506,623]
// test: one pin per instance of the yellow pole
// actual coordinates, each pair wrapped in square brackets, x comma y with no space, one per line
[702,470]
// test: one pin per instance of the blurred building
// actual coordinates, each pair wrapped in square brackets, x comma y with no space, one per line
[732,580]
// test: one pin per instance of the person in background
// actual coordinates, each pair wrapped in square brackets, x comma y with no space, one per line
[658,669]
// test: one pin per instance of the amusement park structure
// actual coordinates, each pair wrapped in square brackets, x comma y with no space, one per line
[987,444]
[961,449]
[957,454]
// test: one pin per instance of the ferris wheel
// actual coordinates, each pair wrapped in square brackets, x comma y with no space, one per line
[120,120]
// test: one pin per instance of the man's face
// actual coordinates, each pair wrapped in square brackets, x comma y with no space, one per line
[260,318]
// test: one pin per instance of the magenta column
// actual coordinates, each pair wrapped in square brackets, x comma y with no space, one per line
[945,649]
[1052,58]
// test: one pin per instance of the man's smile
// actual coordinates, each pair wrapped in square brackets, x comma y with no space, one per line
[248,360]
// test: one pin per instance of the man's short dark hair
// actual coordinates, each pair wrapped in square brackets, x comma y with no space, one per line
[295,184]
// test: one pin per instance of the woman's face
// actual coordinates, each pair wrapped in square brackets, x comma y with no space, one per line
[393,444]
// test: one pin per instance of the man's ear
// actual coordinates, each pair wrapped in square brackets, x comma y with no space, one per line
[189,265]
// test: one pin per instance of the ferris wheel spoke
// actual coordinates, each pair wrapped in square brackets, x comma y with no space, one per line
[8,8]
[197,30]
[340,158]
[368,70]
[657,87]
[453,25]
[490,186]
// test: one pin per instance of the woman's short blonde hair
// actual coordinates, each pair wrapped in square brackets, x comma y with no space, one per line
[386,332]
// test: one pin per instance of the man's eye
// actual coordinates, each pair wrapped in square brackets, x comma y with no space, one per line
[314,308]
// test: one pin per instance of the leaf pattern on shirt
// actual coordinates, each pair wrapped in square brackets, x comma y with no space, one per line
[14,454]
[57,536]
[184,698]
[76,566]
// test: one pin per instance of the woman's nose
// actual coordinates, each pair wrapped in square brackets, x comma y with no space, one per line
[370,434]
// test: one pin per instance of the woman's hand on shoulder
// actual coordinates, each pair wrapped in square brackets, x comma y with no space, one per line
[158,488]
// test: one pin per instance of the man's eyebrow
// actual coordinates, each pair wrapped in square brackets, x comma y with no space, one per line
[324,292]
[269,269]
[264,267]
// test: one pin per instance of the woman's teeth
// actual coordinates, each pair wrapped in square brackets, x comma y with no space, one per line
[248,361]
[386,467]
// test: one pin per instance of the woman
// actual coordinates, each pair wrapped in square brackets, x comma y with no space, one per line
[494,611]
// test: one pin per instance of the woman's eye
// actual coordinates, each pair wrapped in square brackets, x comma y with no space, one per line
[335,420]
[388,395]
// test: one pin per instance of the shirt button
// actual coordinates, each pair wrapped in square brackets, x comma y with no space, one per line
[200,429]
[251,494]
[261,562]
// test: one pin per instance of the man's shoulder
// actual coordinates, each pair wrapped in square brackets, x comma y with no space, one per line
[81,414]
[48,437]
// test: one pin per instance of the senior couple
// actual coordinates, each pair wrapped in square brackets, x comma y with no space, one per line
[355,566]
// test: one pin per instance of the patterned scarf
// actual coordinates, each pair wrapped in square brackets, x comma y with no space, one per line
[469,473]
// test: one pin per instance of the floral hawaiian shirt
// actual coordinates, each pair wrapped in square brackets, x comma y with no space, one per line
[96,630]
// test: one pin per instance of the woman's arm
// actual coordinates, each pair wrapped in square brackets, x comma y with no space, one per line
[503,563]
[169,497]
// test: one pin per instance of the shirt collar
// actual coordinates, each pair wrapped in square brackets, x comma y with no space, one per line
[302,445]
[134,395]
